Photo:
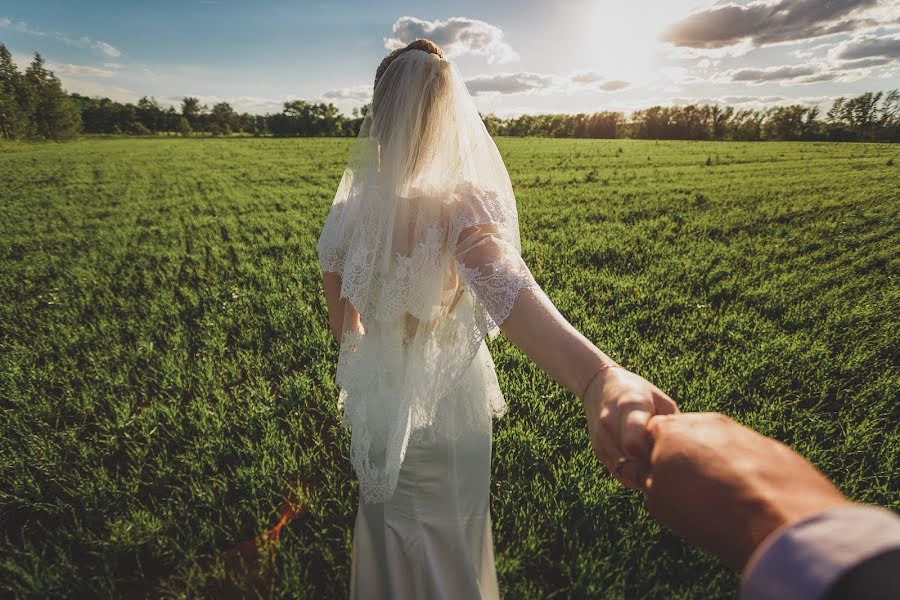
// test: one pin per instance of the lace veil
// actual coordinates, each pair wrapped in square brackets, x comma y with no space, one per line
[424,234]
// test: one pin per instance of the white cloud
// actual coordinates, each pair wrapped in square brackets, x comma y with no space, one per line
[674,75]
[596,81]
[612,86]
[23,27]
[104,81]
[752,99]
[743,102]
[457,36]
[92,88]
[794,74]
[847,61]
[512,83]
[108,49]
[360,94]
[22,60]
[717,54]
[775,73]
[86,80]
[813,51]
[81,42]
[772,22]
[498,84]
[867,51]
[525,82]
[62,69]
[586,77]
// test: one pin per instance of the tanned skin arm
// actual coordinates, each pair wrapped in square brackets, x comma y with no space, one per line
[338,308]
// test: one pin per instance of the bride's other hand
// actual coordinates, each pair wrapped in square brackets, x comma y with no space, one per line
[618,405]
[342,315]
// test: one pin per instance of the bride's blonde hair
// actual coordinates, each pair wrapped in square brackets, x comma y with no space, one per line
[419,44]
[432,100]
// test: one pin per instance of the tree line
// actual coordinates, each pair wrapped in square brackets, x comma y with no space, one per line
[33,105]
[872,116]
[147,117]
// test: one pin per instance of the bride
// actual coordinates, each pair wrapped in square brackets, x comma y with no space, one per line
[420,260]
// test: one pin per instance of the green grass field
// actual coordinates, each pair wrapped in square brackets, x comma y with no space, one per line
[166,371]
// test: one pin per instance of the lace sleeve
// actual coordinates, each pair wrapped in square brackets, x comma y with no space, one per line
[331,249]
[488,257]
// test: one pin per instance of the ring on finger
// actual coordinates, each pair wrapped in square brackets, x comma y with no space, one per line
[620,464]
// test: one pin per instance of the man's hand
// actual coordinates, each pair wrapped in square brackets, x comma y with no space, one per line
[725,488]
[618,404]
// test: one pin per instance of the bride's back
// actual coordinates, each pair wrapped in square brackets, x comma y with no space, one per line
[424,216]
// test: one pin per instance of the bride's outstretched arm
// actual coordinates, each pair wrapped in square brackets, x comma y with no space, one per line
[617,402]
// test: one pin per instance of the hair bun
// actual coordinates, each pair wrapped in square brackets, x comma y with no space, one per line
[417,44]
[426,46]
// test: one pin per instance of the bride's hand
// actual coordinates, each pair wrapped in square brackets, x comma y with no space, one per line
[618,404]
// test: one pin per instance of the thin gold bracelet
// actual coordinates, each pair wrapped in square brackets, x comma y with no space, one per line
[594,376]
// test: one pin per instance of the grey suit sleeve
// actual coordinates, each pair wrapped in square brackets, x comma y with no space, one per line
[834,552]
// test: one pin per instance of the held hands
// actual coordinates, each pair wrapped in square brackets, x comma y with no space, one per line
[619,405]
[725,488]
[719,485]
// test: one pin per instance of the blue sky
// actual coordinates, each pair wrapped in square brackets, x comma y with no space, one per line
[522,56]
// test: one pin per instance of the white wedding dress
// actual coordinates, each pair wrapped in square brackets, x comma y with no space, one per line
[424,235]
[432,539]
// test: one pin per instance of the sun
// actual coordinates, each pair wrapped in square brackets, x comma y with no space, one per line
[623,37]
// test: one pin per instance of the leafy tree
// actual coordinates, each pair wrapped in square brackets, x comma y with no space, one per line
[745,125]
[102,115]
[718,120]
[492,123]
[184,127]
[303,118]
[855,118]
[890,108]
[262,125]
[151,115]
[784,122]
[608,125]
[361,111]
[862,113]
[14,122]
[223,120]
[890,115]
[54,116]
[192,110]
[247,123]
